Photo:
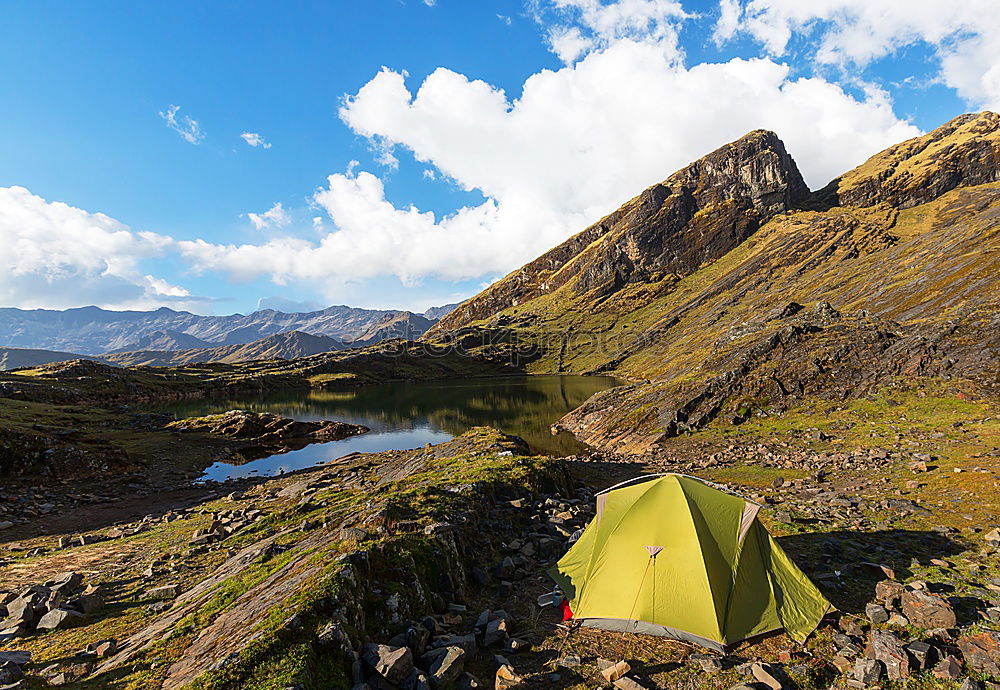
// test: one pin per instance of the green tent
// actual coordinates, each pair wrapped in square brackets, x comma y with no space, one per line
[671,555]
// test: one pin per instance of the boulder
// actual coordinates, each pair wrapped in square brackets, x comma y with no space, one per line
[67,583]
[888,592]
[496,632]
[18,657]
[10,630]
[106,648]
[947,668]
[57,619]
[886,647]
[392,663]
[444,665]
[23,610]
[876,613]
[982,652]
[921,652]
[86,603]
[867,671]
[10,672]
[353,534]
[506,678]
[926,610]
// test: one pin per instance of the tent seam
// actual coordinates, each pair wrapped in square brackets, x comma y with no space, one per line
[701,557]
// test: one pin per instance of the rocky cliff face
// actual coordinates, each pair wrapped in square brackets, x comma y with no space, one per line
[691,218]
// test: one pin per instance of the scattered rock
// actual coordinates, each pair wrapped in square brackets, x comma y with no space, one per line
[926,610]
[444,665]
[507,678]
[947,668]
[763,674]
[889,592]
[10,672]
[615,671]
[392,663]
[921,652]
[163,592]
[876,613]
[886,647]
[57,619]
[709,663]
[982,652]
[867,671]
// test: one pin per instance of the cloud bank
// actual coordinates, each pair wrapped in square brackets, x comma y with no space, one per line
[964,36]
[59,256]
[578,142]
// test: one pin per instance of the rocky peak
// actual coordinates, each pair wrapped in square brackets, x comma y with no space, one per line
[693,217]
[755,167]
[962,152]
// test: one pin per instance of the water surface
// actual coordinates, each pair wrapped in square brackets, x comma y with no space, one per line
[406,415]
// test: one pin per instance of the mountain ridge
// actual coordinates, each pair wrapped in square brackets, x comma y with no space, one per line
[821,300]
[662,232]
[94,331]
[287,345]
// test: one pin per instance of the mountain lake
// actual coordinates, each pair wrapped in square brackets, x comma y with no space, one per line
[404,415]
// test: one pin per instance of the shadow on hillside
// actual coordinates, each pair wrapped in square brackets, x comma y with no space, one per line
[845,565]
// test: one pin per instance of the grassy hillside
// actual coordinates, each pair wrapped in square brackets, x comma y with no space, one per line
[827,301]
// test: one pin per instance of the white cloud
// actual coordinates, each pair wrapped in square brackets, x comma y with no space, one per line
[57,256]
[274,217]
[965,36]
[430,3]
[576,144]
[254,139]
[729,20]
[186,127]
[586,25]
[373,238]
[504,18]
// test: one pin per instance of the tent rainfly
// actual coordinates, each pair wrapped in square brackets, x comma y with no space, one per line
[675,557]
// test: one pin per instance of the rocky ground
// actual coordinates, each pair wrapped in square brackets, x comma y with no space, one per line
[160,458]
[422,568]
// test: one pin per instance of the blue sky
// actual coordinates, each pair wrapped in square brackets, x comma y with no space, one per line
[439,145]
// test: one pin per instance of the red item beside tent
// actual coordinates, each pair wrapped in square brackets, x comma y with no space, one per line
[567,612]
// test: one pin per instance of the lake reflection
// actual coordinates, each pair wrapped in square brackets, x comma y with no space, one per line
[407,415]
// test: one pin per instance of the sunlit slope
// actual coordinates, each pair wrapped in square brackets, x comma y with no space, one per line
[828,301]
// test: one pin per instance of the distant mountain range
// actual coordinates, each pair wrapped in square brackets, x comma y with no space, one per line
[94,331]
[288,345]
[14,358]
